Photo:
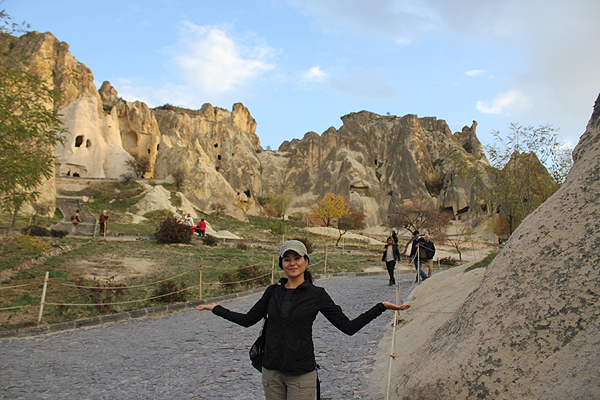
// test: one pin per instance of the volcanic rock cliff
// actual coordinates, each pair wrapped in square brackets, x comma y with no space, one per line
[378,162]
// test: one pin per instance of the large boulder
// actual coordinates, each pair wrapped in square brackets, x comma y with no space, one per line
[530,329]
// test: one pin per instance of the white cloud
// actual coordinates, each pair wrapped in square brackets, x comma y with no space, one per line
[209,60]
[475,72]
[507,103]
[314,74]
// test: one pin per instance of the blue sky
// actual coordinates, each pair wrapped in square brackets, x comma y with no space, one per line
[301,65]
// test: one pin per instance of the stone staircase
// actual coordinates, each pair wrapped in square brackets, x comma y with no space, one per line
[67,206]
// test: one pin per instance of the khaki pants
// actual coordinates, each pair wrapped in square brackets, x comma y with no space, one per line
[429,266]
[279,386]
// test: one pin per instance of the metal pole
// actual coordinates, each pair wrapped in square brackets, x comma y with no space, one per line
[43,298]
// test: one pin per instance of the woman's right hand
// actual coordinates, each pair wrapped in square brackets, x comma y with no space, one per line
[208,307]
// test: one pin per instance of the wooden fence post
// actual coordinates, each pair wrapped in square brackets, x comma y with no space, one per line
[43,298]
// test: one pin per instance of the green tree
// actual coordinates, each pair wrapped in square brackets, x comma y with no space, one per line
[29,129]
[277,202]
[332,206]
[519,179]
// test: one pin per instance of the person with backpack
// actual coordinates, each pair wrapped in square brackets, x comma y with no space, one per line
[291,306]
[429,254]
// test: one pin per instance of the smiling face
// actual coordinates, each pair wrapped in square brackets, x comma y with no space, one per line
[293,264]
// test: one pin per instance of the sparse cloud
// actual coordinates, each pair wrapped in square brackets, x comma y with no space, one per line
[314,74]
[507,103]
[210,60]
[475,72]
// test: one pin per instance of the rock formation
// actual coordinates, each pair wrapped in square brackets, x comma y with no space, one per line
[378,162]
[92,143]
[531,328]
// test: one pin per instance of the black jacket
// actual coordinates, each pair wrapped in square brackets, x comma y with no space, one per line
[429,249]
[395,250]
[288,345]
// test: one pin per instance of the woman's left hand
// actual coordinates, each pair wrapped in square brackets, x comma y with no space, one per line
[392,306]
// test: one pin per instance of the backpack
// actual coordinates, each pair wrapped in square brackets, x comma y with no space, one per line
[73,217]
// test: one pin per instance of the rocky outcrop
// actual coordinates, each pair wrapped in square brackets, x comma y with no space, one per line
[379,162]
[215,150]
[92,143]
[530,328]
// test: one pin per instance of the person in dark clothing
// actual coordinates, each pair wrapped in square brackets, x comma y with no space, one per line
[102,221]
[418,257]
[289,366]
[429,254]
[391,255]
[395,236]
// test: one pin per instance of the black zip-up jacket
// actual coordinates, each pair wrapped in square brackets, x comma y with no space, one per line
[288,345]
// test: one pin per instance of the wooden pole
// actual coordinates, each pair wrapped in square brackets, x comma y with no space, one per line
[200,285]
[43,298]
[325,267]
[273,270]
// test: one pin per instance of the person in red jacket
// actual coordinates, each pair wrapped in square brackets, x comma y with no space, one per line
[202,227]
[288,365]
[102,222]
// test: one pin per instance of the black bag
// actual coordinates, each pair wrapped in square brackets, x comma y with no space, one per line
[257,349]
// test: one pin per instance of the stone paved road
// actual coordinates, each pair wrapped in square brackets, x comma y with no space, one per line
[190,354]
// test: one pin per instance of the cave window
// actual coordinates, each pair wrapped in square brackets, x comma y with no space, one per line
[247,193]
[219,157]
[148,151]
[375,161]
[79,141]
[88,143]
[216,145]
[157,147]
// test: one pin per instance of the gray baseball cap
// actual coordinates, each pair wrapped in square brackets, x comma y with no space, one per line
[294,245]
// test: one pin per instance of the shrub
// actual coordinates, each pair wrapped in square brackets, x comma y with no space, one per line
[57,233]
[245,278]
[173,231]
[101,295]
[242,246]
[296,217]
[36,230]
[170,293]
[31,244]
[209,240]
[277,228]
[449,261]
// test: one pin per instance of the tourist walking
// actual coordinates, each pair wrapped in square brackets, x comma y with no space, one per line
[418,257]
[202,227]
[429,254]
[391,255]
[102,222]
[75,220]
[291,306]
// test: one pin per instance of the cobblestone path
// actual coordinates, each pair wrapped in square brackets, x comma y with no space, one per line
[190,354]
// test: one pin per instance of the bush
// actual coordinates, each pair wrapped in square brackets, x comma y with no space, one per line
[101,295]
[277,228]
[36,230]
[170,293]
[57,233]
[449,261]
[242,246]
[296,217]
[245,278]
[209,240]
[173,231]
